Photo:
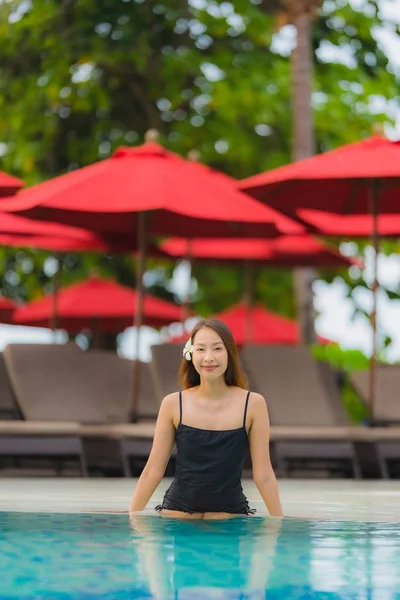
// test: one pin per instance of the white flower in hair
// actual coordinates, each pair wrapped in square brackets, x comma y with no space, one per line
[188,349]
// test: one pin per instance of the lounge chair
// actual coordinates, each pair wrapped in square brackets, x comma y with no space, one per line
[134,441]
[104,448]
[43,440]
[303,398]
[8,406]
[61,383]
[166,359]
[42,433]
[386,410]
[387,386]
[114,377]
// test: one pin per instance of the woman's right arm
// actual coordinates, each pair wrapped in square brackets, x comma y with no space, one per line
[163,442]
[263,473]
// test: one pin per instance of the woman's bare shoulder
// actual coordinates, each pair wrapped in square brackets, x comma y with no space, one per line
[257,398]
[254,397]
[239,391]
[170,400]
[257,403]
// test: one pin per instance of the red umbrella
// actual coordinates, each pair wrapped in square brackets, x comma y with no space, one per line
[21,226]
[180,197]
[149,190]
[20,232]
[52,243]
[9,185]
[285,251]
[98,305]
[7,308]
[339,181]
[359,178]
[267,327]
[351,226]
[14,229]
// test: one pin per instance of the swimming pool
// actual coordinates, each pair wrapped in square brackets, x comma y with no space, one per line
[92,556]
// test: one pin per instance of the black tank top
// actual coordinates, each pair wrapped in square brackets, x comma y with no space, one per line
[208,469]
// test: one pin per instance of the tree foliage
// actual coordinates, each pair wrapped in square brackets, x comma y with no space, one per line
[78,78]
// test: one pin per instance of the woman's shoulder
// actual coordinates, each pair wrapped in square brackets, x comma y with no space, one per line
[170,399]
[257,401]
[169,406]
[254,397]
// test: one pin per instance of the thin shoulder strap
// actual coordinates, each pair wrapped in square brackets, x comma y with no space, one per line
[180,408]
[245,409]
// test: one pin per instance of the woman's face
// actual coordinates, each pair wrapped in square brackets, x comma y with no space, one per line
[210,357]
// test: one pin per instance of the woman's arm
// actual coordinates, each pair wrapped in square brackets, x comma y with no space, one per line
[163,442]
[263,473]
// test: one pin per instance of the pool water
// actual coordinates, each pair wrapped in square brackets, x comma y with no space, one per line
[92,556]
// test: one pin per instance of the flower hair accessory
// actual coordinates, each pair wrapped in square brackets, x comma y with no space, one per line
[188,349]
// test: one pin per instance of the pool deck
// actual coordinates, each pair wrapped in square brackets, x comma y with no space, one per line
[338,500]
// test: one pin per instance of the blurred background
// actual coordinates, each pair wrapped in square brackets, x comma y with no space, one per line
[79,78]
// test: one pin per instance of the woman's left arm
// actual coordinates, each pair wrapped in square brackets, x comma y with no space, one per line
[263,473]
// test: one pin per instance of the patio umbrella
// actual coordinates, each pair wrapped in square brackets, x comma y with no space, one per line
[178,196]
[56,244]
[285,252]
[9,184]
[349,226]
[267,327]
[97,304]
[20,232]
[149,191]
[7,308]
[359,178]
[15,228]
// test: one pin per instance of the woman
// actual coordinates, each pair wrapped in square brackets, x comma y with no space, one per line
[213,422]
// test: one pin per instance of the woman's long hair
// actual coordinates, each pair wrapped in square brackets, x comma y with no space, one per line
[234,374]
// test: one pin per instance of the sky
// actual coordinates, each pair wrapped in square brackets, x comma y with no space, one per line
[334,309]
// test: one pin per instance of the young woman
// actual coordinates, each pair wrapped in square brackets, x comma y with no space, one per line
[213,422]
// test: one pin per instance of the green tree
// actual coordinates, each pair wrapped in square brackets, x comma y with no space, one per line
[80,77]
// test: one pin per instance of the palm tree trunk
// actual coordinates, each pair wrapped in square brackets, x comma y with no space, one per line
[303,146]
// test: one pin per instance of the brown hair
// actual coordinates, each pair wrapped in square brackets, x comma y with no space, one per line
[234,374]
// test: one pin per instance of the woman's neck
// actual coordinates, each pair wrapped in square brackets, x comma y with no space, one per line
[212,389]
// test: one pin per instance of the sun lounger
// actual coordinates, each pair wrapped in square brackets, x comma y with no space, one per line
[386,409]
[37,439]
[50,384]
[302,397]
[166,359]
[114,376]
[387,386]
[39,392]
[8,406]
[62,383]
[133,439]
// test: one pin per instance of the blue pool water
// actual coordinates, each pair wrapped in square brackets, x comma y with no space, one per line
[92,556]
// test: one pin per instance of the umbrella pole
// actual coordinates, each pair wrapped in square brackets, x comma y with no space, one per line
[138,318]
[248,301]
[186,302]
[374,199]
[54,296]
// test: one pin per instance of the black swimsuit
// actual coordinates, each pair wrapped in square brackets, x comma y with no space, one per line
[208,469]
